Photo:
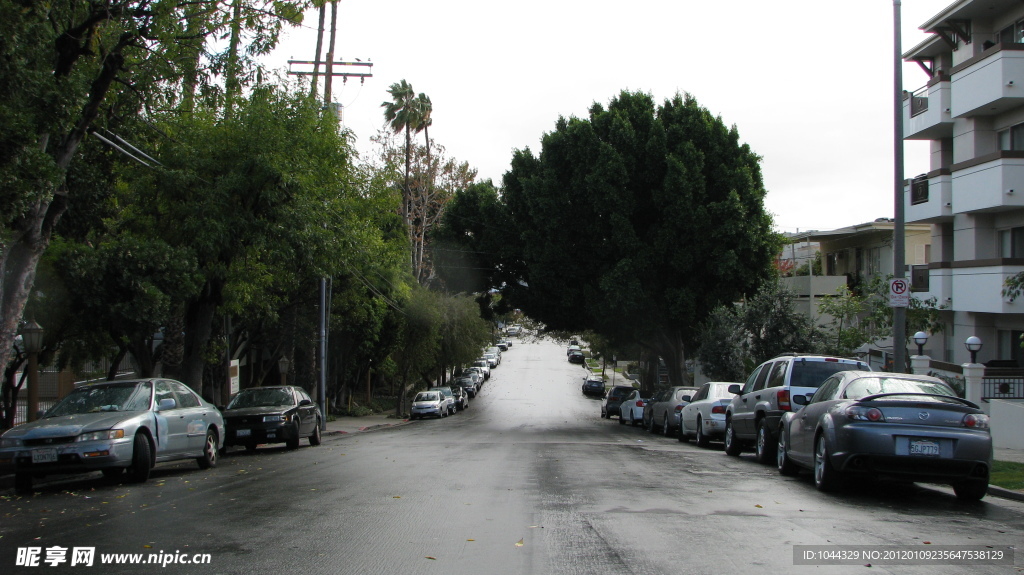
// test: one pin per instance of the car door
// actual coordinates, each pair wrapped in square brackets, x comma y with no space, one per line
[743,405]
[172,428]
[805,421]
[688,418]
[195,415]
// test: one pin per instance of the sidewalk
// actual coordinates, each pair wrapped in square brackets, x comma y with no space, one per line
[344,425]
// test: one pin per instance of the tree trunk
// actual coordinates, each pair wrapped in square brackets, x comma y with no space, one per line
[198,328]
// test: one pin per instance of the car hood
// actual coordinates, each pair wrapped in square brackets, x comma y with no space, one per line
[265,410]
[69,425]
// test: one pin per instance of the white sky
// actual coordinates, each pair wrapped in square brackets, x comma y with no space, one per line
[808,84]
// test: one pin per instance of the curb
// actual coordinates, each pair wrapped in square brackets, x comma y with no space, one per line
[366,428]
[1005,493]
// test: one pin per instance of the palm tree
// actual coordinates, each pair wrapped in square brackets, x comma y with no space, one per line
[402,113]
[424,110]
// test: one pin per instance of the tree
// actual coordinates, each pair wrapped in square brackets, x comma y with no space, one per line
[403,115]
[846,310]
[635,222]
[60,63]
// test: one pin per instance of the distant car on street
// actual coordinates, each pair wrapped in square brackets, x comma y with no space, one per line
[576,357]
[704,417]
[429,403]
[278,414]
[631,410]
[613,399]
[593,386]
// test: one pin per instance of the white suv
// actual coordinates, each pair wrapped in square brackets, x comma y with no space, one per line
[754,414]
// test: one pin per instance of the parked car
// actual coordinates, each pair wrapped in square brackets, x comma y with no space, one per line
[460,396]
[684,400]
[660,412]
[281,414]
[753,415]
[429,403]
[631,410]
[508,343]
[468,384]
[496,351]
[572,348]
[502,346]
[613,399]
[576,357]
[909,427]
[449,397]
[491,359]
[593,385]
[704,417]
[483,367]
[112,427]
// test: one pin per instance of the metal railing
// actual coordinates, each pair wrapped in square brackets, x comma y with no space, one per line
[919,190]
[919,102]
[1002,388]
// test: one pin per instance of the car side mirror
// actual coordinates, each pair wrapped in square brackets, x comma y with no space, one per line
[735,389]
[800,399]
[165,404]
[687,398]
[306,402]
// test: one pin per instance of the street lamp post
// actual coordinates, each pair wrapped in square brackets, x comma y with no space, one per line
[973,344]
[32,336]
[920,338]
[282,366]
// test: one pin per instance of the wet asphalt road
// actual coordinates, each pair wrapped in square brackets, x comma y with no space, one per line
[530,479]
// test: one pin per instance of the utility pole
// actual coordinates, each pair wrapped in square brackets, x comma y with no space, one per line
[899,314]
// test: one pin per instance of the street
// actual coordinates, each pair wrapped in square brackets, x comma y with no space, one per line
[529,479]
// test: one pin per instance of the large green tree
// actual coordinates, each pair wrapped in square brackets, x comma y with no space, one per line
[636,222]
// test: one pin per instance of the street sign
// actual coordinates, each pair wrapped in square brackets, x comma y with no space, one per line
[899,292]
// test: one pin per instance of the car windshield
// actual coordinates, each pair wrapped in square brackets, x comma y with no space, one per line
[720,391]
[134,396]
[813,373]
[424,396]
[260,397]
[866,386]
[620,392]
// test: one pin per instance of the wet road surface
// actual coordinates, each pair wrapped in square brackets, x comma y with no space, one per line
[529,479]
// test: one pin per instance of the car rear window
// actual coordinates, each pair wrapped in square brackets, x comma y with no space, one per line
[814,373]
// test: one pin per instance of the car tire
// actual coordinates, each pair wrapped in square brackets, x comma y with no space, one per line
[970,490]
[732,444]
[636,422]
[825,476]
[209,457]
[315,439]
[682,435]
[650,425]
[23,482]
[665,429]
[622,419]
[702,440]
[293,441]
[142,459]
[782,461]
[762,449]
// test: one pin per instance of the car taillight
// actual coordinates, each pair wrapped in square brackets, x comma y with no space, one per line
[783,396]
[679,408]
[639,403]
[861,413]
[718,409]
[976,421]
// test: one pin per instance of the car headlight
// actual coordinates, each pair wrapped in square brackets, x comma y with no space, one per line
[272,418]
[98,435]
[9,442]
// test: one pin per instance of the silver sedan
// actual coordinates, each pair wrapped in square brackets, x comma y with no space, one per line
[704,417]
[113,426]
[907,427]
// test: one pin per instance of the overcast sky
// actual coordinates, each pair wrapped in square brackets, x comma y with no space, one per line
[808,84]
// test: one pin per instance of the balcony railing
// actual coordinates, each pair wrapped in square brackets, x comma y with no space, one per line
[919,190]
[1002,388]
[919,278]
[919,102]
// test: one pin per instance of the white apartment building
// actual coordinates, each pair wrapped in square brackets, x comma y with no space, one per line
[972,111]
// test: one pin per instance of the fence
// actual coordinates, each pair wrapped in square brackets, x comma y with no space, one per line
[1002,387]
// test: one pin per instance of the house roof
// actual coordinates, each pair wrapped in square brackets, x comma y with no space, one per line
[879,225]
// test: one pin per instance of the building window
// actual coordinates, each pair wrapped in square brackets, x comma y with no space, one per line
[1013,34]
[1011,243]
[1012,138]
[874,261]
[919,190]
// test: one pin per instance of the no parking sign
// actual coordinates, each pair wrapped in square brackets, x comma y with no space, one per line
[899,292]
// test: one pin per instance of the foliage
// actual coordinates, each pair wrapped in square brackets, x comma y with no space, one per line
[634,222]
[846,310]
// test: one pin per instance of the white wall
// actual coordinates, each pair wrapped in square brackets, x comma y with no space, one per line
[1007,421]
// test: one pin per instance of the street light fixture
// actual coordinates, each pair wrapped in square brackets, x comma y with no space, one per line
[32,336]
[973,344]
[282,366]
[920,338]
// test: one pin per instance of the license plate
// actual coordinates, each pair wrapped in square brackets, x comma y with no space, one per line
[243,433]
[44,456]
[271,436]
[923,447]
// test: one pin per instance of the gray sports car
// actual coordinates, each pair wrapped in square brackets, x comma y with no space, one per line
[906,427]
[113,426]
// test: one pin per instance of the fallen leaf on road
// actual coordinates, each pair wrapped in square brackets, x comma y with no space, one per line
[470,539]
[759,507]
[520,543]
[431,558]
[397,497]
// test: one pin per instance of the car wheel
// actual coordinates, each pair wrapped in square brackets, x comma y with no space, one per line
[732,444]
[315,439]
[970,490]
[209,457]
[763,449]
[702,440]
[650,425]
[293,441]
[142,459]
[683,436]
[622,418]
[782,460]
[604,414]
[636,422]
[825,476]
[665,429]
[23,482]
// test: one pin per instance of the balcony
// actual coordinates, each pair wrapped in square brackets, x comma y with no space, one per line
[926,112]
[978,285]
[989,83]
[930,198]
[990,183]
